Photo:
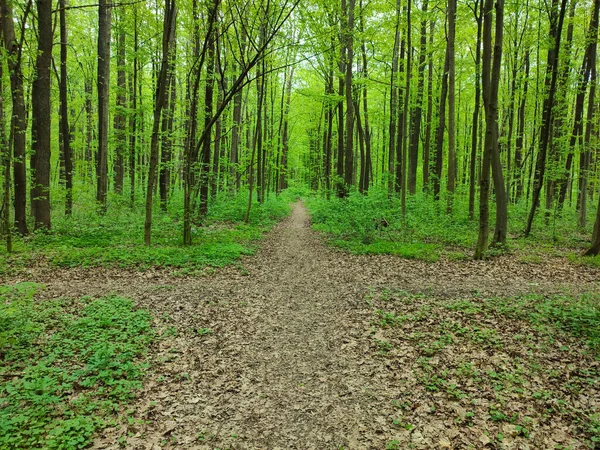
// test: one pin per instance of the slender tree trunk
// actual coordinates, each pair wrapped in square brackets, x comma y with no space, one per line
[285,145]
[19,115]
[104,25]
[65,132]
[208,114]
[120,121]
[417,111]
[586,155]
[166,155]
[556,25]
[518,166]
[394,103]
[589,61]
[134,113]
[501,228]
[490,86]
[5,155]
[41,114]
[478,12]
[439,154]
[235,131]
[367,128]
[451,104]
[216,164]
[405,117]
[170,20]
[429,119]
[349,151]
[341,84]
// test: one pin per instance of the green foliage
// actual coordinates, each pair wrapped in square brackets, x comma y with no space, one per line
[116,239]
[68,366]
[374,224]
[578,315]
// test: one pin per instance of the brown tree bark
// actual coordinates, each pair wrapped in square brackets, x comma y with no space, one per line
[394,103]
[556,25]
[349,145]
[65,132]
[439,151]
[518,166]
[490,86]
[450,187]
[104,25]
[429,118]
[589,62]
[19,113]
[170,21]
[5,156]
[208,114]
[40,118]
[166,154]
[120,121]
[478,13]
[417,111]
[134,113]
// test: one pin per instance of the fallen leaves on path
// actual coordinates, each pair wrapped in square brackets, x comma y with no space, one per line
[307,347]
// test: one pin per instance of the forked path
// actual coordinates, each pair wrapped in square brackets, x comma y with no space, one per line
[278,355]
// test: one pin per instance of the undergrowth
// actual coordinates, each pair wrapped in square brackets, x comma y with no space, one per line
[88,239]
[374,224]
[67,366]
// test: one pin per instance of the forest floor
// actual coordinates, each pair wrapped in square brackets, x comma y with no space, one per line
[304,346]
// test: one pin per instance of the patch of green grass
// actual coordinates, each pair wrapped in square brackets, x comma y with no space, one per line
[67,367]
[116,239]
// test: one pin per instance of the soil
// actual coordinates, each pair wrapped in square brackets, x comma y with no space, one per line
[283,351]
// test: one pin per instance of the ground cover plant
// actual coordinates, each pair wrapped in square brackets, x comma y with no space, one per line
[499,372]
[89,239]
[67,366]
[374,224]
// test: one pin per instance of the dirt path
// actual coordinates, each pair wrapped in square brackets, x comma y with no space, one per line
[281,354]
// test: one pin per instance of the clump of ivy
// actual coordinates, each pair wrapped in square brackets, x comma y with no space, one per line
[67,366]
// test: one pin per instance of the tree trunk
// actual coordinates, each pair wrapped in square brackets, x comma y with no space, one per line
[490,86]
[134,112]
[208,113]
[451,104]
[439,153]
[368,168]
[285,145]
[162,84]
[120,122]
[518,166]
[19,115]
[104,24]
[589,61]
[405,118]
[417,111]
[349,147]
[556,25]
[478,13]
[166,154]
[394,105]
[41,114]
[5,155]
[428,128]
[501,228]
[65,132]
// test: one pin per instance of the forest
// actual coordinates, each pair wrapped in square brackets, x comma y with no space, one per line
[390,209]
